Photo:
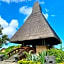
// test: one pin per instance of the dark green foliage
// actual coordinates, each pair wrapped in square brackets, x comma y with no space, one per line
[58,53]
[4,38]
[1,28]
[1,42]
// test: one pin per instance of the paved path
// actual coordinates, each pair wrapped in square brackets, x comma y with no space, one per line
[4,62]
[9,61]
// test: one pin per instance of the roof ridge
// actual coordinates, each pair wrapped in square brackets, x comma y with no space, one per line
[36,7]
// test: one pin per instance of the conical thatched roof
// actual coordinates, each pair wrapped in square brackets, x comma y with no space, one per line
[35,27]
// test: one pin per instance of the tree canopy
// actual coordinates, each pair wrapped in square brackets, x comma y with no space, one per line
[3,37]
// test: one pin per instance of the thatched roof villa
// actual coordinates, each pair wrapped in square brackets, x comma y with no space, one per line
[36,31]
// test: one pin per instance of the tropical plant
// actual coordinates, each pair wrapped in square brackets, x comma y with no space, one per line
[28,55]
[42,57]
[34,57]
[58,53]
[3,37]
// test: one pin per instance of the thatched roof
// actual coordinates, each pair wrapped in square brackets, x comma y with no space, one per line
[35,27]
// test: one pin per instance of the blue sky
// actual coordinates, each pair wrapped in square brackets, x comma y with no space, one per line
[13,14]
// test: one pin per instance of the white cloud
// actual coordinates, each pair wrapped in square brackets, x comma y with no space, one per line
[53,15]
[46,10]
[14,23]
[9,31]
[16,1]
[25,10]
[7,1]
[42,2]
[3,22]
[46,15]
[9,28]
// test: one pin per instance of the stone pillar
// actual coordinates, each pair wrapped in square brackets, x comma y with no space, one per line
[49,59]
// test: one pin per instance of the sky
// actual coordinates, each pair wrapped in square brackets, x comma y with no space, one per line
[13,14]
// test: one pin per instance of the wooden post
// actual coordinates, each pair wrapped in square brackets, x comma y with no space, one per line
[44,41]
[42,47]
[23,44]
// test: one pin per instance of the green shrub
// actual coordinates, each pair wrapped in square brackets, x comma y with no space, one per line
[28,62]
[59,54]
